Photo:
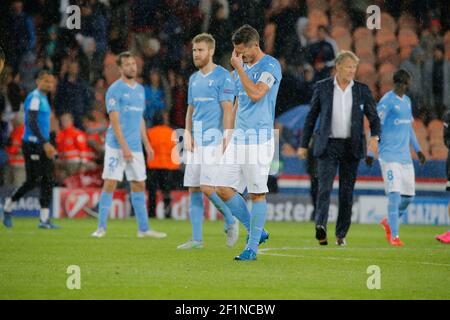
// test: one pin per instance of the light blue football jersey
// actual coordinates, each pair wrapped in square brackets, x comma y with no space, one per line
[130,103]
[205,94]
[396,129]
[255,120]
[37,101]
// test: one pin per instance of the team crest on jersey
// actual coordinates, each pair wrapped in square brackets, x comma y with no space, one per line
[397,107]
[112,102]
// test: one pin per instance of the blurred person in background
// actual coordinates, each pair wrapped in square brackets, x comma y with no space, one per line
[415,67]
[160,169]
[38,152]
[154,96]
[15,171]
[71,146]
[21,34]
[73,95]
[436,84]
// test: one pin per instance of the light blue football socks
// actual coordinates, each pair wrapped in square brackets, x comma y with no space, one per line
[104,207]
[140,210]
[257,220]
[196,214]
[222,207]
[238,207]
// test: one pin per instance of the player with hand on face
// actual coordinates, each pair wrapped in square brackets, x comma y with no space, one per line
[247,159]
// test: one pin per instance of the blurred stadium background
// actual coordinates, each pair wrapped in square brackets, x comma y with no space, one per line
[304,35]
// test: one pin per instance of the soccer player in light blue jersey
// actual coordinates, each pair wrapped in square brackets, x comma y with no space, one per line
[210,103]
[394,110]
[247,158]
[125,103]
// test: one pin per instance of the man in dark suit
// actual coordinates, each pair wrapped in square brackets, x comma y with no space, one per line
[340,140]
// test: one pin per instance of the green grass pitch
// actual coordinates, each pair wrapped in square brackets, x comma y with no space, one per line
[33,263]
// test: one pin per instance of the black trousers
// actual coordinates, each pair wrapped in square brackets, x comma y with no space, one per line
[39,173]
[311,167]
[336,156]
[159,179]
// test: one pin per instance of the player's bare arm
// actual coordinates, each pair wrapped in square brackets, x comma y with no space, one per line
[115,123]
[254,91]
[146,142]
[228,121]
[188,141]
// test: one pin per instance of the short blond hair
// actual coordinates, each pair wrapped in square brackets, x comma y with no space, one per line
[207,38]
[344,55]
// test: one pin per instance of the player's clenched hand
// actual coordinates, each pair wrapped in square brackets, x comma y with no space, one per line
[50,151]
[150,154]
[373,144]
[369,161]
[302,153]
[188,142]
[127,155]
[236,60]
[421,157]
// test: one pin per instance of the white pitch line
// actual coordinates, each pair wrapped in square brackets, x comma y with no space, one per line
[264,251]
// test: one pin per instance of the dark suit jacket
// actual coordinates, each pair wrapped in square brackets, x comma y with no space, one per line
[322,105]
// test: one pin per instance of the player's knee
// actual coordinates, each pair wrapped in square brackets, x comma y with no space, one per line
[224,193]
[208,190]
[109,186]
[138,186]
[257,196]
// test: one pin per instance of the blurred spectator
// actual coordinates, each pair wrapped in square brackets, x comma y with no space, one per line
[21,34]
[179,94]
[154,96]
[250,12]
[94,25]
[15,170]
[71,146]
[290,93]
[160,173]
[50,47]
[220,28]
[152,59]
[95,138]
[414,65]
[324,47]
[73,95]
[430,38]
[172,35]
[437,83]
[283,15]
[119,22]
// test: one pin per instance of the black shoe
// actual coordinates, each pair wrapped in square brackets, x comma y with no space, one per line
[341,242]
[321,235]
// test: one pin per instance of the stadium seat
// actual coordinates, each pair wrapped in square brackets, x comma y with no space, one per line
[435,126]
[110,68]
[385,37]
[405,53]
[407,21]
[388,22]
[388,54]
[447,37]
[318,18]
[407,38]
[439,153]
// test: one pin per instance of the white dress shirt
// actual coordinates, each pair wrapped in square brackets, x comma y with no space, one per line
[341,120]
